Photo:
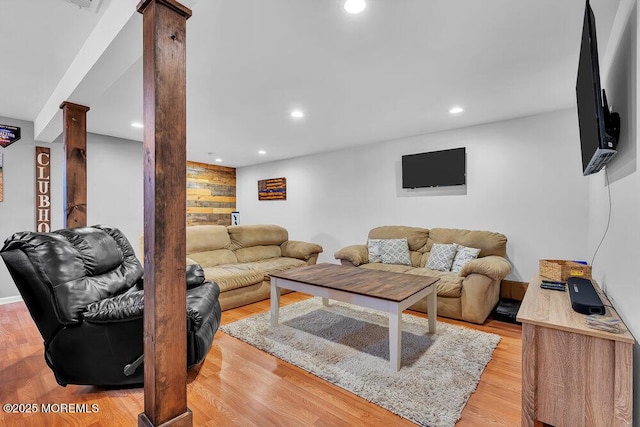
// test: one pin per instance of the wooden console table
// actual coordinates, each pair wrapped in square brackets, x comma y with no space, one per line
[572,375]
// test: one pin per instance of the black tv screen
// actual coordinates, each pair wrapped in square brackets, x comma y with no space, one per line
[599,128]
[434,169]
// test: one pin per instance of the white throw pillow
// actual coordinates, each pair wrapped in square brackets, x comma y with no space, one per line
[441,256]
[395,251]
[463,256]
[375,250]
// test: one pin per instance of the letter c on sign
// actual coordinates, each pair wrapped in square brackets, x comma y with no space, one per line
[40,159]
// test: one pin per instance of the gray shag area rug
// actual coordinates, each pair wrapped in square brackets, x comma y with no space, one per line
[349,346]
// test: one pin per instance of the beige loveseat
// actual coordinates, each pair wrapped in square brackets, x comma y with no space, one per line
[239,258]
[468,295]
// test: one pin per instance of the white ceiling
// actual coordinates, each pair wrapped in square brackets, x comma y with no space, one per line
[392,71]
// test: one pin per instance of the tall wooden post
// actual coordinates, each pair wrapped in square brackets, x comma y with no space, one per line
[74,196]
[165,156]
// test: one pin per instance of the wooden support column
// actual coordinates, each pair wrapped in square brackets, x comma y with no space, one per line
[165,340]
[74,196]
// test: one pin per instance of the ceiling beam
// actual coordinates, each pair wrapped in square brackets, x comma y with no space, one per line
[48,123]
[114,46]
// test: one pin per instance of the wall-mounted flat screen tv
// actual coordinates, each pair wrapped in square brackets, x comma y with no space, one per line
[599,127]
[434,169]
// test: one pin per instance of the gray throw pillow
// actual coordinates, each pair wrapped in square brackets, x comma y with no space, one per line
[395,251]
[375,250]
[441,256]
[463,256]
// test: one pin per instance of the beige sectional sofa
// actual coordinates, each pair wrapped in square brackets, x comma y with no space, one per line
[469,295]
[239,258]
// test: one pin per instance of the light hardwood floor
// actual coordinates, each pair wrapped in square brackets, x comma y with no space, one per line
[238,384]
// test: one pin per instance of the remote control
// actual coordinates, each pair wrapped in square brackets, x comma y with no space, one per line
[553,281]
[553,286]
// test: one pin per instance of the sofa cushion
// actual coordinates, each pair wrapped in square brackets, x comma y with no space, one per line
[395,251]
[214,257]
[441,257]
[244,236]
[416,258]
[274,265]
[416,237]
[394,268]
[449,285]
[257,253]
[233,276]
[463,256]
[490,243]
[202,238]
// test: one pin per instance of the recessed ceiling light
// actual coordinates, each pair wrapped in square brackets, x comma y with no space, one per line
[297,114]
[218,160]
[456,110]
[137,125]
[262,152]
[354,6]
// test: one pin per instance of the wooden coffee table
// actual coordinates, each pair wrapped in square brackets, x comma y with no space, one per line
[380,290]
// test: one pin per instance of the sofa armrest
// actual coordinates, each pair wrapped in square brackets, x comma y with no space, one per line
[130,305]
[480,294]
[201,303]
[195,275]
[300,250]
[120,308]
[355,254]
[493,266]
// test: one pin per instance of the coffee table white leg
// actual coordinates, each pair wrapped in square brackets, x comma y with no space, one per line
[325,302]
[275,302]
[432,309]
[395,340]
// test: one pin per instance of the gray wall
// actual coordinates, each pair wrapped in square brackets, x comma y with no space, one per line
[114,182]
[524,179]
[614,264]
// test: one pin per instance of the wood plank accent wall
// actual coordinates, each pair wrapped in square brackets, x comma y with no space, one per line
[211,194]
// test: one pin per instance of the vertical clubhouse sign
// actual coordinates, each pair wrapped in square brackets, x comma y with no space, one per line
[43,190]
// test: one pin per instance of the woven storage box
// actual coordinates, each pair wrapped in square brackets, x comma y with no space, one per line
[560,270]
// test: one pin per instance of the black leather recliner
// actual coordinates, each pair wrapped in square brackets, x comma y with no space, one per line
[83,288]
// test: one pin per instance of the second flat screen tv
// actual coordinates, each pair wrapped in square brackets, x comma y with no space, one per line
[434,169]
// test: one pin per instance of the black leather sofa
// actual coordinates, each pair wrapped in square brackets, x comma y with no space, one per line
[84,290]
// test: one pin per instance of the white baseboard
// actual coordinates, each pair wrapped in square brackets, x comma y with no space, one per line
[9,300]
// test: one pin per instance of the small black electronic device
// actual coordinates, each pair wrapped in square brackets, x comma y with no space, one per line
[554,286]
[584,298]
[553,282]
[507,311]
